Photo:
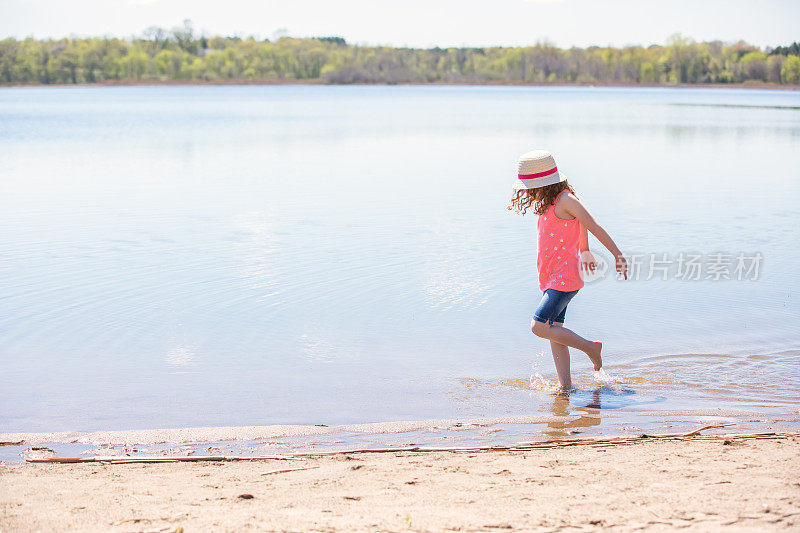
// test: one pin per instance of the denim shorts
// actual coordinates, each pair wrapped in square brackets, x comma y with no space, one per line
[553,307]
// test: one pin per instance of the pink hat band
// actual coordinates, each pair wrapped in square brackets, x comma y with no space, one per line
[538,174]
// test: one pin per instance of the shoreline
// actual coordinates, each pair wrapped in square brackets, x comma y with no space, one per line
[245,433]
[253,433]
[746,484]
[294,441]
[284,82]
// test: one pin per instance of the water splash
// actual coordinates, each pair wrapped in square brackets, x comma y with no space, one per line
[537,382]
[603,377]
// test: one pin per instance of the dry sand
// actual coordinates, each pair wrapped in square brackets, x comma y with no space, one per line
[695,484]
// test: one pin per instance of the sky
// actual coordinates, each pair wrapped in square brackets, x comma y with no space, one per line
[421,23]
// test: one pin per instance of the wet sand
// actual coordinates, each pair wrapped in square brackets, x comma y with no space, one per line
[561,423]
[242,433]
[703,484]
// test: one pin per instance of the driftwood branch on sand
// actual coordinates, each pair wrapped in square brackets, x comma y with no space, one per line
[284,470]
[120,459]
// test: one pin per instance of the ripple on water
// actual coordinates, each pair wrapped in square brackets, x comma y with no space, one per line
[754,383]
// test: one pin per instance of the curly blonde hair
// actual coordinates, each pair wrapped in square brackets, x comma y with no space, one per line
[540,198]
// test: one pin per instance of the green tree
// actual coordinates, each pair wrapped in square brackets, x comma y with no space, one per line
[774,65]
[754,66]
[184,37]
[648,73]
[168,64]
[790,71]
[134,65]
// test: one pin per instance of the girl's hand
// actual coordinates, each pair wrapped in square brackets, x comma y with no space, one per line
[574,207]
[588,262]
[622,266]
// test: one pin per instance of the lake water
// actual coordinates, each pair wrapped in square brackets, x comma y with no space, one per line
[207,256]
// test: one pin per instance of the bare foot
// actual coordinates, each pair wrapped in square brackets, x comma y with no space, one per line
[594,355]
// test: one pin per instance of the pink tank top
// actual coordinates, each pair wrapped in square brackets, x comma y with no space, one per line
[558,259]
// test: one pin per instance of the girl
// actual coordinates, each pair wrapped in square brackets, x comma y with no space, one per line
[563,250]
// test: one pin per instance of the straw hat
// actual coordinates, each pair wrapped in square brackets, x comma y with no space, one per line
[537,168]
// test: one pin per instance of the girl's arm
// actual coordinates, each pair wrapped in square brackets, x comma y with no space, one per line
[574,207]
[587,259]
[584,239]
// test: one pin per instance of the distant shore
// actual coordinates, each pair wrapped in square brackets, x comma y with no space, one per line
[745,484]
[285,81]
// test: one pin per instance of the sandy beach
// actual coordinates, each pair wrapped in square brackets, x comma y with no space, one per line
[703,484]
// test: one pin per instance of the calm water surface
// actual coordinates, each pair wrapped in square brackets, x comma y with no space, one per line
[199,256]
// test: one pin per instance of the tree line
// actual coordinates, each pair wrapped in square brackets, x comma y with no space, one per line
[180,54]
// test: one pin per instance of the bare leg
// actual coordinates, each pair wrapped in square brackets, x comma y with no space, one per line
[565,336]
[561,359]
